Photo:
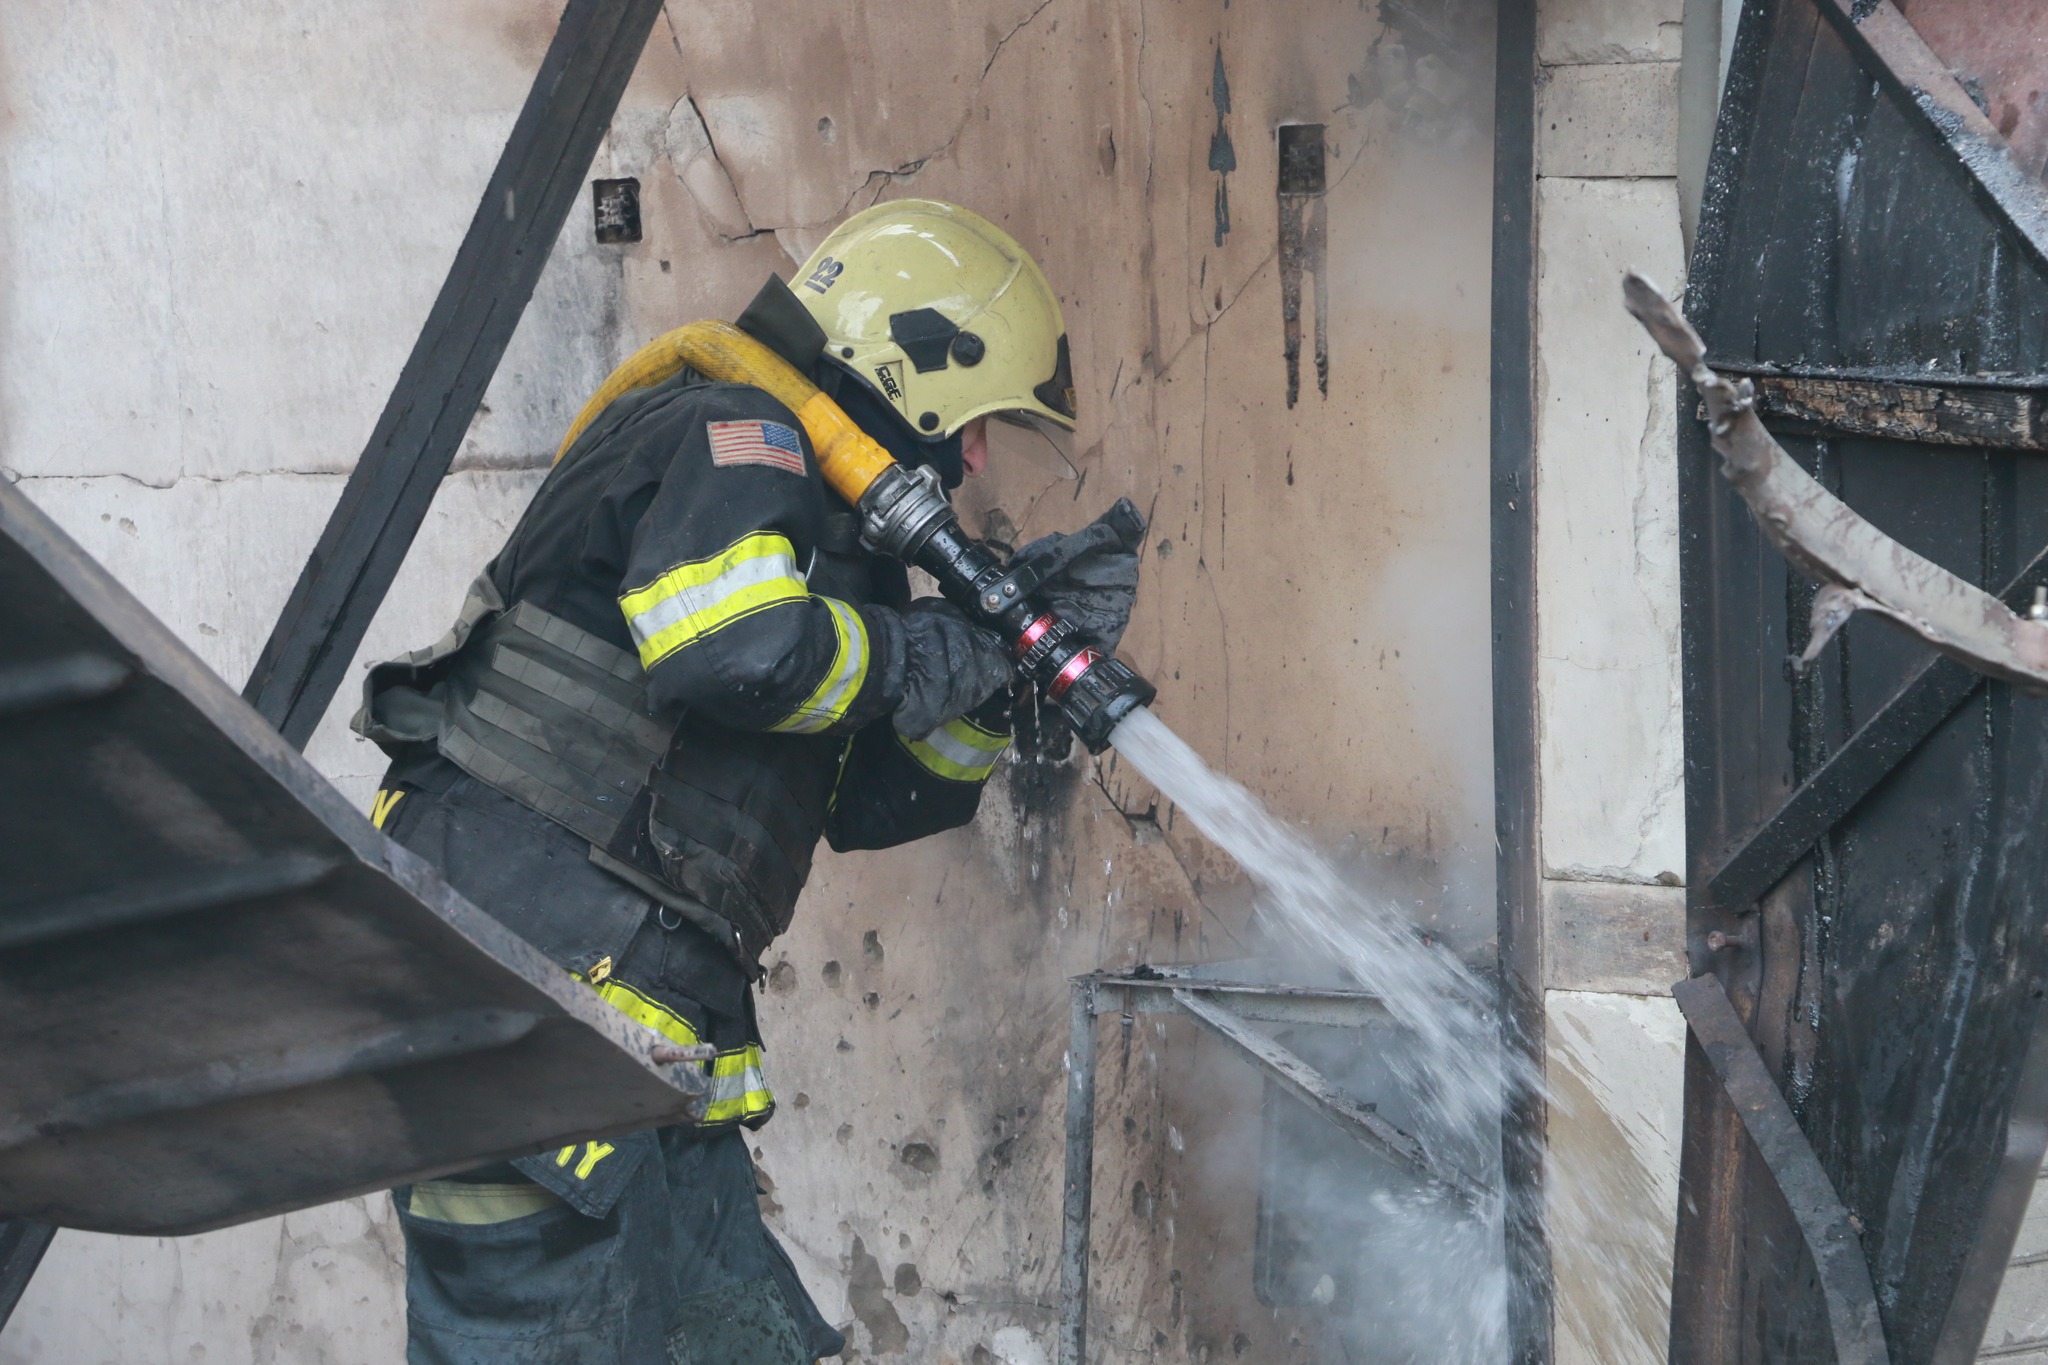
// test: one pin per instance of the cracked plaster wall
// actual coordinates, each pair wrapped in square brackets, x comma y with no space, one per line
[220,227]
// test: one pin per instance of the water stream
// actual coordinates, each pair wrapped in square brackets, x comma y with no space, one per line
[1435,1264]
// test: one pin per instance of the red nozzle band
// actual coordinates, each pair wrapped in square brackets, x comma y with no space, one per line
[1067,677]
[1033,633]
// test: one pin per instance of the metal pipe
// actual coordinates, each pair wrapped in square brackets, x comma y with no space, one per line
[1080,1181]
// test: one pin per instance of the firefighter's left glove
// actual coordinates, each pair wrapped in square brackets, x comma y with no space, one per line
[1091,577]
[950,666]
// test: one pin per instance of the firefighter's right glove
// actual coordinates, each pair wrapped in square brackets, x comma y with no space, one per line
[1091,576]
[950,666]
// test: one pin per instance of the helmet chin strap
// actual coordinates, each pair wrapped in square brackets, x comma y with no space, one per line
[874,416]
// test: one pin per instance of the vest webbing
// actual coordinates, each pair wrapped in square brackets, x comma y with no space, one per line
[716,825]
[554,718]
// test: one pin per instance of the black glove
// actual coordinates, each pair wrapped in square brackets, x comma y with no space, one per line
[950,666]
[1091,577]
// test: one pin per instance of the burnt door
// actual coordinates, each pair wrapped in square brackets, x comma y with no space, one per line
[1865,877]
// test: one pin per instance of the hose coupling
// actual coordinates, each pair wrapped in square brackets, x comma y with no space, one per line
[901,509]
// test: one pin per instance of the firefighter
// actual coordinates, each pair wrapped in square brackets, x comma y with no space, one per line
[680,671]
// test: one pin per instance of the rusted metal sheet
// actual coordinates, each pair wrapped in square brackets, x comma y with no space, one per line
[1860,567]
[224,994]
[1998,62]
[1893,52]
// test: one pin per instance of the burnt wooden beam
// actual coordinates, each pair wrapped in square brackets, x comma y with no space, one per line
[1892,50]
[1929,696]
[539,177]
[1933,411]
[22,1244]
[1832,1238]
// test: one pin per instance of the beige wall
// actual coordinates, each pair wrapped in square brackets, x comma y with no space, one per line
[223,224]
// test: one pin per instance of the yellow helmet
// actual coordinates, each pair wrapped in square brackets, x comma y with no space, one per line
[942,315]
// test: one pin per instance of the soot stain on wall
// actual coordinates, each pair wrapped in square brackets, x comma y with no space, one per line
[1222,155]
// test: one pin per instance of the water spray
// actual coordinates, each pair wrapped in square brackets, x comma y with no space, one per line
[904,513]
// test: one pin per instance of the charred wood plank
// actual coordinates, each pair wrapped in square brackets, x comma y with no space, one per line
[539,177]
[1928,697]
[1823,800]
[1945,412]
[1832,1240]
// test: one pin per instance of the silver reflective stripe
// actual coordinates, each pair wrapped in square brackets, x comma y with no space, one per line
[705,598]
[852,664]
[953,747]
[731,1089]
[842,683]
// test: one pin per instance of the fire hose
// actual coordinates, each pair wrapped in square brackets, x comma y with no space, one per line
[904,513]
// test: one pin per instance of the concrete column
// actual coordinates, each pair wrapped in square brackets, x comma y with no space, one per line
[1611,794]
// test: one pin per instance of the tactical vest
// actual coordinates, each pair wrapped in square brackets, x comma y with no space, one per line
[715,825]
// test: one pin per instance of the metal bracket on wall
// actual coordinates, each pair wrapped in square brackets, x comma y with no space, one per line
[1831,1238]
[1226,1009]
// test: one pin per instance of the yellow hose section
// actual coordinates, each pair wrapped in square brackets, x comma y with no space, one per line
[848,457]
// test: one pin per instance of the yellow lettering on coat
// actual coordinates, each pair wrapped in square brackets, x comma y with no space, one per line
[593,1152]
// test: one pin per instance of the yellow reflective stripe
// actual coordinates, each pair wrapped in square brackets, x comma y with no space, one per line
[383,804]
[650,1013]
[839,774]
[959,749]
[700,596]
[457,1201]
[739,1085]
[827,705]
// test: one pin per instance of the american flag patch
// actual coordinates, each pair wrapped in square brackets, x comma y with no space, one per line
[768,443]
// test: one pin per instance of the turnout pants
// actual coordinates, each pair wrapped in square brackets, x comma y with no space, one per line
[661,1260]
[646,1249]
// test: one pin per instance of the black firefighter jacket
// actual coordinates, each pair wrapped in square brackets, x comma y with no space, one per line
[690,526]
